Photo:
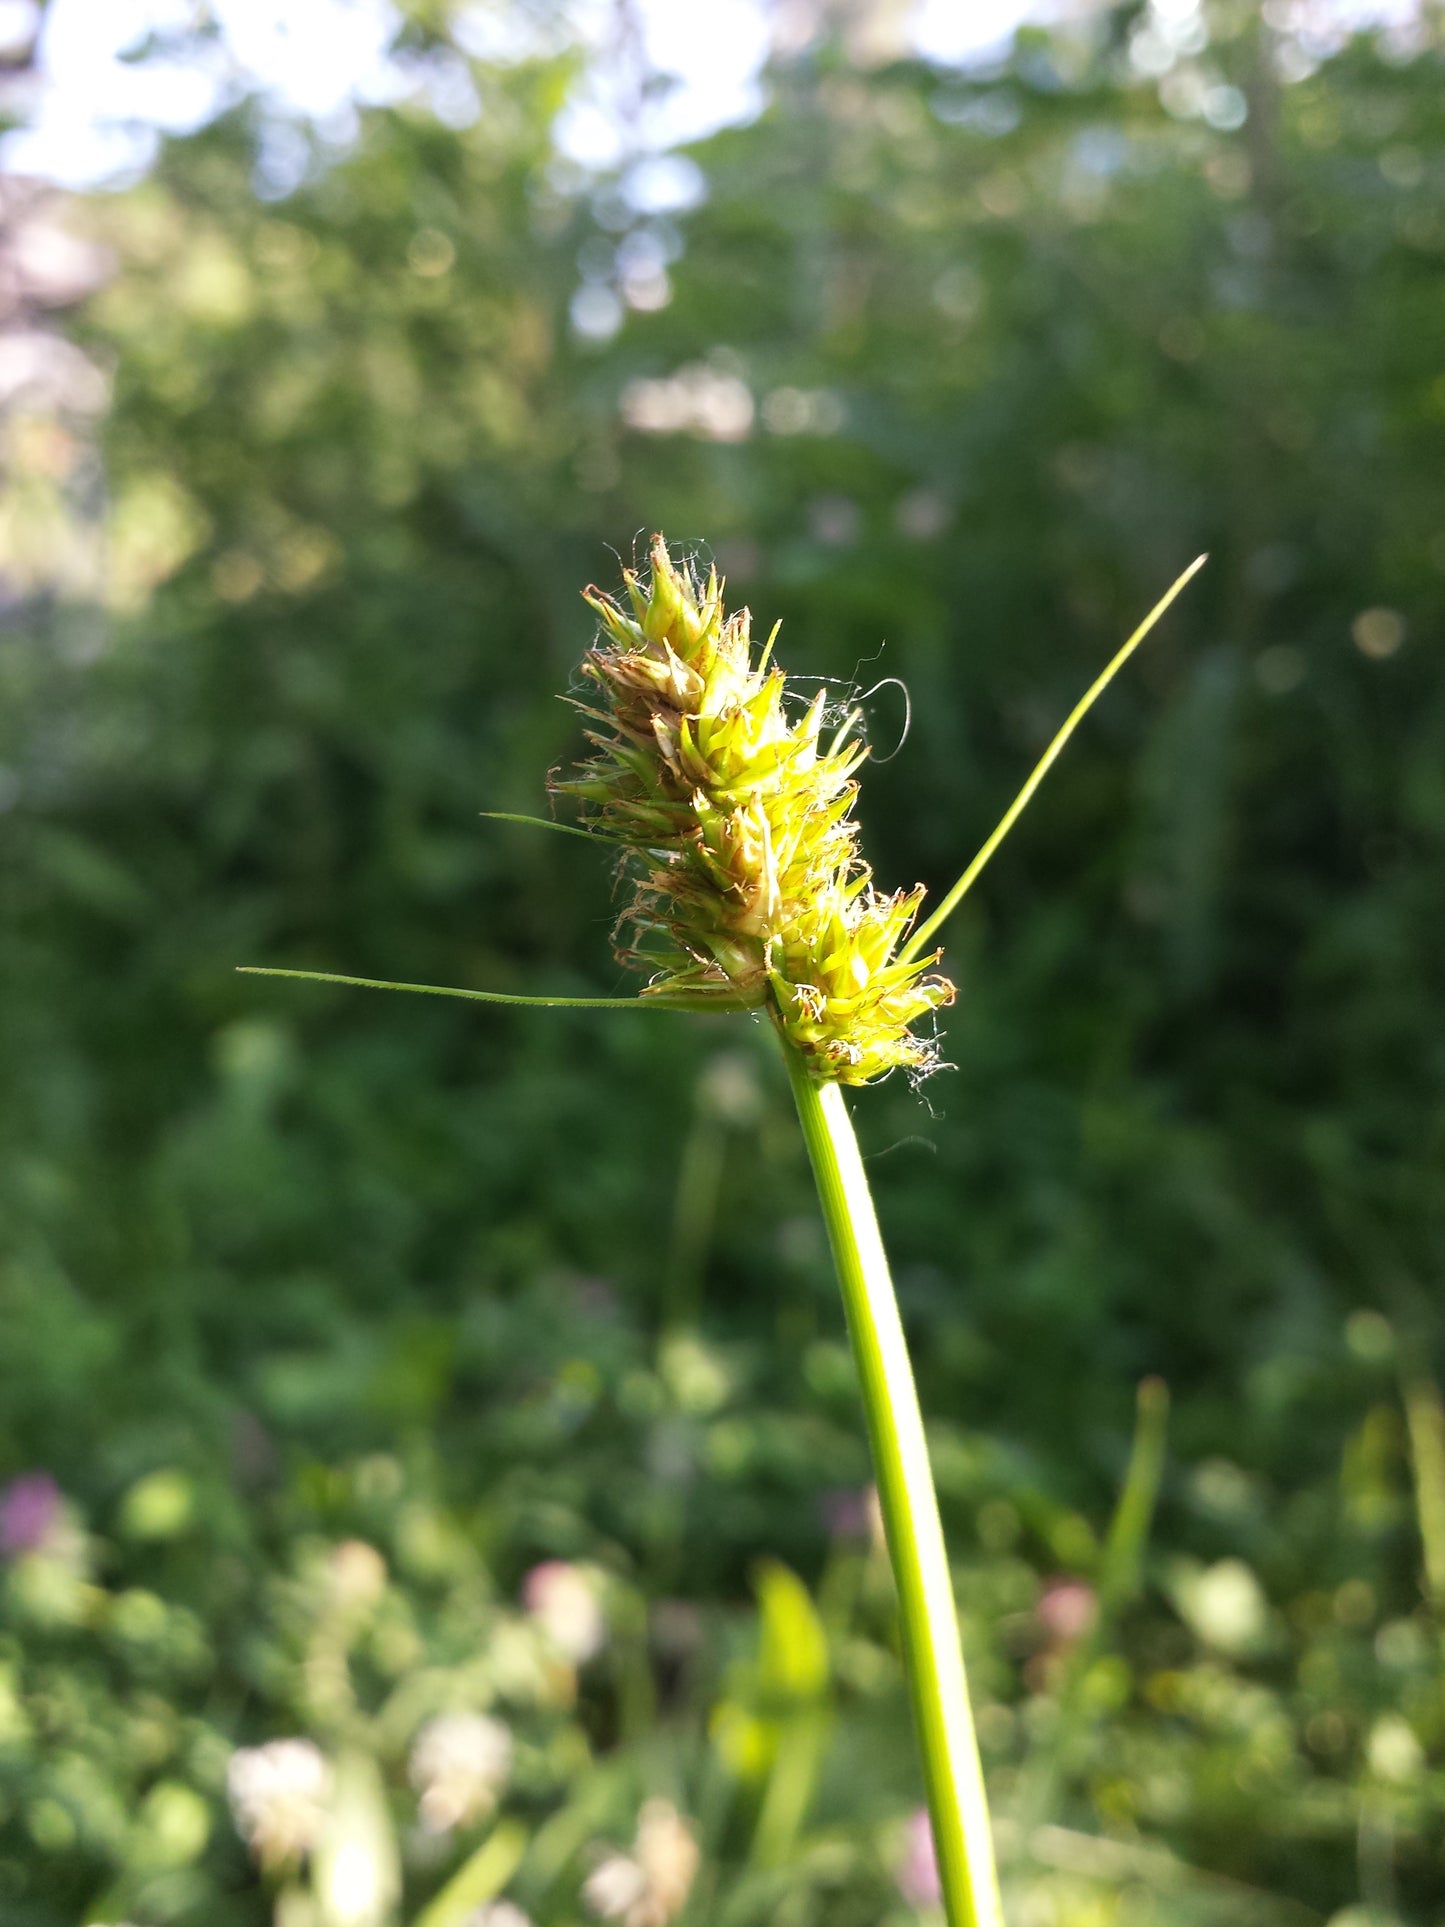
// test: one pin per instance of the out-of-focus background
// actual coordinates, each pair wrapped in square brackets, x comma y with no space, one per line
[433,1481]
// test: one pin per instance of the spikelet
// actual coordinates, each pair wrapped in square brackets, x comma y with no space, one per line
[738,840]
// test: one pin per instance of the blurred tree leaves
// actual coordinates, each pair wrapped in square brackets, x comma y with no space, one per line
[958,367]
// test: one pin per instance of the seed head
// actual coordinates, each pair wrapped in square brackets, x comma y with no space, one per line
[734,813]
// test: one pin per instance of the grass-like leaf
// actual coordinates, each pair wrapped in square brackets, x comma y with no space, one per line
[474,996]
[925,932]
[546,823]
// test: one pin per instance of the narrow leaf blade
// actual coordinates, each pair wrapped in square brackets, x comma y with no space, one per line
[547,823]
[926,931]
[449,990]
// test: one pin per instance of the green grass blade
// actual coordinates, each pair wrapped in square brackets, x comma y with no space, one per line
[926,931]
[1133,1520]
[1425,1422]
[475,996]
[479,1879]
[1120,1573]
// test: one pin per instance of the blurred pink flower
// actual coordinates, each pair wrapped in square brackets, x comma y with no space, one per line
[29,1512]
[918,1874]
[845,1512]
[853,1512]
[1066,1610]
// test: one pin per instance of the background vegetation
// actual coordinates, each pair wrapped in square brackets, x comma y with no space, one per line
[331,1322]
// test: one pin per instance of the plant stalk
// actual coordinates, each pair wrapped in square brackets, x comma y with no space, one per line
[933,1656]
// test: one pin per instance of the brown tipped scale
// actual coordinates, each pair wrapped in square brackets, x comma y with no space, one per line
[748,889]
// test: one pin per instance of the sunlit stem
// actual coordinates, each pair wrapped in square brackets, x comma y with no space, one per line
[925,933]
[933,1656]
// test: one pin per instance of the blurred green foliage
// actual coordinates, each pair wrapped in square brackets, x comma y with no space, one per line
[332,1318]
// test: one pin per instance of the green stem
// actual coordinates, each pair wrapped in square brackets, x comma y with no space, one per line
[933,1656]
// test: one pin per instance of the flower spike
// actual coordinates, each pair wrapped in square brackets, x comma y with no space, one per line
[748,890]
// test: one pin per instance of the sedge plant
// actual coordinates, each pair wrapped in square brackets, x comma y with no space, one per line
[730,811]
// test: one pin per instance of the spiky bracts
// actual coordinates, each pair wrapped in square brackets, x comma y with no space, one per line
[735,821]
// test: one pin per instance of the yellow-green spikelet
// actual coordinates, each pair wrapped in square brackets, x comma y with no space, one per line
[738,838]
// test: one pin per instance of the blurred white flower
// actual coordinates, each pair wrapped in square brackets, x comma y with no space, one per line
[1224,1604]
[278,1795]
[565,1601]
[616,1889]
[355,1574]
[497,1913]
[459,1765]
[648,1887]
